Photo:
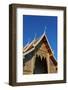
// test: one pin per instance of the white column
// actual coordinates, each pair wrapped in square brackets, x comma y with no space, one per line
[48,63]
[33,62]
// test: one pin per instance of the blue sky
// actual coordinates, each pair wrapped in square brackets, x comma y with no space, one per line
[36,25]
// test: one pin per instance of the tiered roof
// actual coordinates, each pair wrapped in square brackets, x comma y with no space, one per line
[30,47]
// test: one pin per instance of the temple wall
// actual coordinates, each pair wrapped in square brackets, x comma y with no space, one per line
[53,68]
[30,61]
[29,65]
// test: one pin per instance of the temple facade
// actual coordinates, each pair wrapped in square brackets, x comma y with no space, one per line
[38,57]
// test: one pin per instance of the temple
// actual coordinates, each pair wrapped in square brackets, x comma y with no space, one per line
[38,57]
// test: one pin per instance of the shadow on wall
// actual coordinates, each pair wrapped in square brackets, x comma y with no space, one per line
[40,65]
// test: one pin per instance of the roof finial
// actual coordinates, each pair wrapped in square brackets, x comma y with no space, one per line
[26,44]
[45,29]
[35,37]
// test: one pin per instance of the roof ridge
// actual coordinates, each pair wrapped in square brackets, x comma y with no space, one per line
[29,45]
[34,45]
[26,45]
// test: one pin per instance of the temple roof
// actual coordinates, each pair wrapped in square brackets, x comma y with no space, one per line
[30,47]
